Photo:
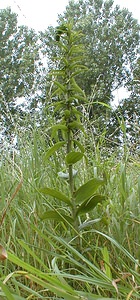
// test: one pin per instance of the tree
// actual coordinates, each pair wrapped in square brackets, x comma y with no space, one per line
[124,123]
[19,55]
[111,41]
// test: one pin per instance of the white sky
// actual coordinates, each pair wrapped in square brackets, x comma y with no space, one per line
[39,14]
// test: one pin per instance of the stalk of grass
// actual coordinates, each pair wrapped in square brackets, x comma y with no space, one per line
[90,275]
[19,220]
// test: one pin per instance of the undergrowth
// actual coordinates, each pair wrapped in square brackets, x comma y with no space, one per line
[69,213]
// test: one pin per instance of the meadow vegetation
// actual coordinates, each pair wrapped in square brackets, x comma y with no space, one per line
[70,205]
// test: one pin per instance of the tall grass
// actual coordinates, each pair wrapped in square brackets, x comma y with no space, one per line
[42,259]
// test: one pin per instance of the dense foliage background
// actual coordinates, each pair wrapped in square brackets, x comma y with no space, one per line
[111,43]
[70,185]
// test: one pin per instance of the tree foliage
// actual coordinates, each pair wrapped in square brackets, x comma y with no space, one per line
[19,58]
[110,37]
[111,42]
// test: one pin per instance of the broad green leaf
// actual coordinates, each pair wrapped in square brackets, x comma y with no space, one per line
[53,149]
[87,190]
[76,73]
[82,99]
[103,104]
[61,86]
[77,87]
[76,60]
[63,46]
[56,92]
[59,126]
[55,193]
[67,113]
[66,62]
[89,204]
[76,124]
[73,157]
[76,111]
[57,103]
[74,49]
[54,215]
